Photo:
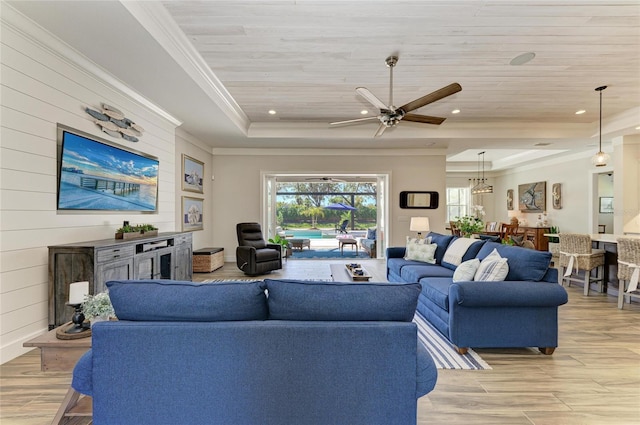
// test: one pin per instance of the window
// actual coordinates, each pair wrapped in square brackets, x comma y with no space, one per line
[457,202]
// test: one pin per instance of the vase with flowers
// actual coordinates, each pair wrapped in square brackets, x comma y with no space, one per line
[98,307]
[469,225]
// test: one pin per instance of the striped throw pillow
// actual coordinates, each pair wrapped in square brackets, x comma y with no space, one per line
[493,268]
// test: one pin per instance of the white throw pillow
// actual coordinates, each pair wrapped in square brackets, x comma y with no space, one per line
[493,268]
[420,250]
[466,270]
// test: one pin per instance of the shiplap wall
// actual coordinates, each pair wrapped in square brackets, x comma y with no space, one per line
[40,87]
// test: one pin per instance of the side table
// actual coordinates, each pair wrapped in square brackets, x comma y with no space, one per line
[58,355]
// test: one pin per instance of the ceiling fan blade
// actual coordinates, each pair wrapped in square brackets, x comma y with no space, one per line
[354,121]
[423,118]
[432,97]
[381,130]
[371,98]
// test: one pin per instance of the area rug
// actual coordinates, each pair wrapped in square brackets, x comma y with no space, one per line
[443,352]
[323,254]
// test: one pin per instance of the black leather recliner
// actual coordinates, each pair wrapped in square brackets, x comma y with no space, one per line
[253,255]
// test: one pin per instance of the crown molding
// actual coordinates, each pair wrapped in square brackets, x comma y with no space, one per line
[324,152]
[159,23]
[34,33]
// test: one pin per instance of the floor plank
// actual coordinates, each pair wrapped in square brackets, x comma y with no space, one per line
[593,378]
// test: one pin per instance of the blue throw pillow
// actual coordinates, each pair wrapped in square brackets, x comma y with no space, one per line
[371,234]
[524,264]
[170,300]
[313,301]
[443,242]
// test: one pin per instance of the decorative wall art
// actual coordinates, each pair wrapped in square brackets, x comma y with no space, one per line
[192,214]
[192,174]
[556,196]
[510,199]
[532,197]
[113,122]
[606,205]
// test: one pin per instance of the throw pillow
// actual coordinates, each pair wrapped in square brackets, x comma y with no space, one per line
[420,250]
[466,270]
[493,268]
[371,234]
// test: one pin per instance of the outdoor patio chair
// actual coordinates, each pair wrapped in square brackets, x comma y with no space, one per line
[343,227]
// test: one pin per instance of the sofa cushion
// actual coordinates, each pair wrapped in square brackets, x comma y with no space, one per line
[443,242]
[524,264]
[436,289]
[420,250]
[170,300]
[466,271]
[313,301]
[492,268]
[459,250]
[415,272]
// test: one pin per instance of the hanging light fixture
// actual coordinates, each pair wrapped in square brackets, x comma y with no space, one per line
[600,159]
[481,185]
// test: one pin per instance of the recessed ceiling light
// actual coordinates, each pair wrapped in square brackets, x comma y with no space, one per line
[580,112]
[364,112]
[522,59]
[638,127]
[455,111]
[272,112]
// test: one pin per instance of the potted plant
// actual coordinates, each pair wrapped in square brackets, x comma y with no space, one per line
[98,307]
[469,225]
[284,244]
[130,232]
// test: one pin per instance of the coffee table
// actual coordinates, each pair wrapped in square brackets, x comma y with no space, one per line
[347,241]
[340,273]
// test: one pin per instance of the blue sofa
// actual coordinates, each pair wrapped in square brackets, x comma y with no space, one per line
[274,352]
[520,311]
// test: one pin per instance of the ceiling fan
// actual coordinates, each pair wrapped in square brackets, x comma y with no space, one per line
[390,115]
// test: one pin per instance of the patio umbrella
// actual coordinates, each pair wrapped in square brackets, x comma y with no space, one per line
[339,206]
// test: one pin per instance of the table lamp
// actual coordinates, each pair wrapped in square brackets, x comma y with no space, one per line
[77,292]
[419,224]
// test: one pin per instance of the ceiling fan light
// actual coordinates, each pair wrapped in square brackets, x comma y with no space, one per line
[600,159]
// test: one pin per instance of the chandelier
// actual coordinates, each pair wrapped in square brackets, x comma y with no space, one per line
[481,185]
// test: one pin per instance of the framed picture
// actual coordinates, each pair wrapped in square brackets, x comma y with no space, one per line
[192,174]
[510,199]
[532,197]
[556,196]
[606,205]
[192,214]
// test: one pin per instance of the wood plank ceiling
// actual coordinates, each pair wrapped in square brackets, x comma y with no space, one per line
[305,58]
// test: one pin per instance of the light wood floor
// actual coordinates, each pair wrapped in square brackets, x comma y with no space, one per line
[593,378]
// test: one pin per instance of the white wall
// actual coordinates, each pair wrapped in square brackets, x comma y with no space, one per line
[40,88]
[237,187]
[189,145]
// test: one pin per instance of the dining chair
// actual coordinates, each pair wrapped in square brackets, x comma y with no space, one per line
[628,269]
[455,230]
[507,230]
[576,254]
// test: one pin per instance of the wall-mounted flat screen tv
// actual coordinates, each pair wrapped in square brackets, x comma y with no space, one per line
[94,174]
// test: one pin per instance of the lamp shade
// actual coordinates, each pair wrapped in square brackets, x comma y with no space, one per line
[419,224]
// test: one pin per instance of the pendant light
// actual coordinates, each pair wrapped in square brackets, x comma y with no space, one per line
[600,159]
[481,187]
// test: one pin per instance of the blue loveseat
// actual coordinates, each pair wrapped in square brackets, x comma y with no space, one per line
[520,311]
[274,352]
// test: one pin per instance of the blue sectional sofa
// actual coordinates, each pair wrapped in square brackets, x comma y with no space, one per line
[519,311]
[274,352]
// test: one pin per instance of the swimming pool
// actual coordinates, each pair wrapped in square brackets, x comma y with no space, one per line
[317,234]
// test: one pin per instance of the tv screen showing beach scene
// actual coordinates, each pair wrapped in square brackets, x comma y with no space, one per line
[102,176]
